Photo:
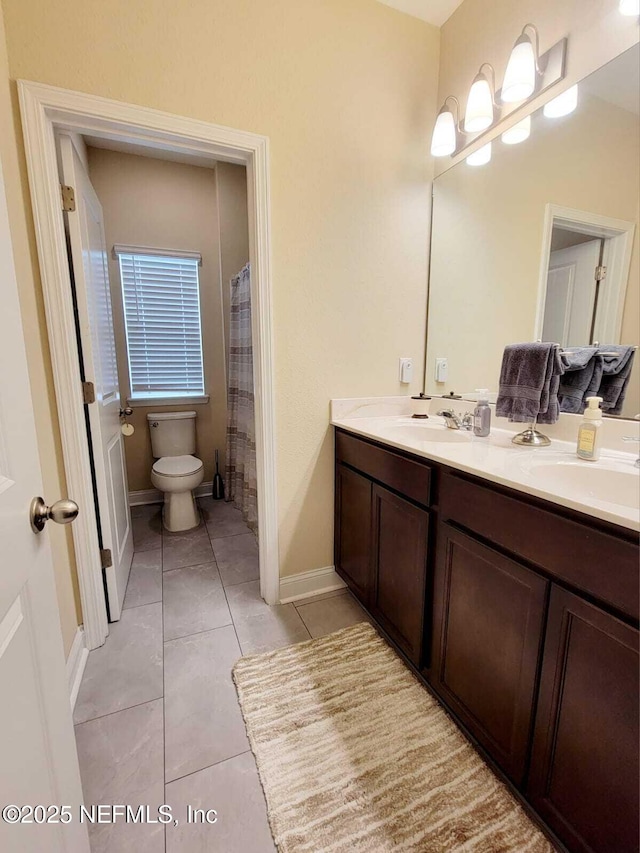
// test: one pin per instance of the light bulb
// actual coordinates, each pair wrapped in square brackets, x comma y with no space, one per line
[629,7]
[479,112]
[563,104]
[443,141]
[481,156]
[520,76]
[518,133]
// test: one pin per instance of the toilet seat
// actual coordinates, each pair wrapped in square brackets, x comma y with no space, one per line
[178,466]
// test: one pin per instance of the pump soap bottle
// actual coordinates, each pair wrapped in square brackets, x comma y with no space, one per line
[482,414]
[589,431]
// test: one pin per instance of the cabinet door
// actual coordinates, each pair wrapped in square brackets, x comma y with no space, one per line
[353,531]
[584,769]
[488,625]
[399,547]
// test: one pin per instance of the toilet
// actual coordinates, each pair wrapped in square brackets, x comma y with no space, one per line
[176,471]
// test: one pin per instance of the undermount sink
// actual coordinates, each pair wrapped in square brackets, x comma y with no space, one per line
[425,432]
[607,480]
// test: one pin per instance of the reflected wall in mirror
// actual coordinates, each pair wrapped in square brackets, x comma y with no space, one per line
[519,245]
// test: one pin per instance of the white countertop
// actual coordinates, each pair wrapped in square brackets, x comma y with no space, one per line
[553,473]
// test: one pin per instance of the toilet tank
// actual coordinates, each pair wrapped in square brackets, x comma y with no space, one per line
[172,433]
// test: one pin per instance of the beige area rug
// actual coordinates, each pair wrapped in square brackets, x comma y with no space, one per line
[355,755]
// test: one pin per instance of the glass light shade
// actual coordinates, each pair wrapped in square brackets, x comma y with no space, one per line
[520,76]
[443,141]
[481,156]
[629,7]
[563,104]
[518,133]
[479,112]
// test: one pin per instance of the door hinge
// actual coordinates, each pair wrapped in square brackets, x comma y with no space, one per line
[105,558]
[601,273]
[68,198]
[88,392]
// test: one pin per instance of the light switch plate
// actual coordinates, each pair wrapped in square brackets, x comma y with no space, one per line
[442,369]
[406,370]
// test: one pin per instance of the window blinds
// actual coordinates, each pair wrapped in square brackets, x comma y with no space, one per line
[162,319]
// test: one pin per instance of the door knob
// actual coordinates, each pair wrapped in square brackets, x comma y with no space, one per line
[126,413]
[62,512]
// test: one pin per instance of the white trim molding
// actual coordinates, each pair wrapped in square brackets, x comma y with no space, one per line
[44,109]
[305,584]
[76,662]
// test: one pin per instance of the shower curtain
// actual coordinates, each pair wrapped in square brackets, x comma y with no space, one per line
[240,465]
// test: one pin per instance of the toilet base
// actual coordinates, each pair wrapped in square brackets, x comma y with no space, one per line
[180,512]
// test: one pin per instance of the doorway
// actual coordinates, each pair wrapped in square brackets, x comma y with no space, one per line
[47,110]
[584,272]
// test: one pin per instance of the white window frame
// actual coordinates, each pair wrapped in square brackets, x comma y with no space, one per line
[160,398]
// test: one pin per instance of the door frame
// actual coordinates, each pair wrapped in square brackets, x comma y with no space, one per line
[47,108]
[618,234]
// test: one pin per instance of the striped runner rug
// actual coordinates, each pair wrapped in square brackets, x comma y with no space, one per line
[355,755]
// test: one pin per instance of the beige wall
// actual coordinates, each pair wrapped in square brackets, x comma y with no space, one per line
[346,92]
[54,485]
[485,31]
[488,234]
[231,183]
[152,202]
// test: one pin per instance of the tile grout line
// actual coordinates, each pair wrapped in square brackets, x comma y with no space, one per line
[164,691]
[215,764]
[118,711]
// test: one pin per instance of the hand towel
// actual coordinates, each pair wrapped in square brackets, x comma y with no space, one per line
[581,379]
[529,381]
[616,371]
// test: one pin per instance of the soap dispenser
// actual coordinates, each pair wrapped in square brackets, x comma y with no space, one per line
[589,431]
[482,414]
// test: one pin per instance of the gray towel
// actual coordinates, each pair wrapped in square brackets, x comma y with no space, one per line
[616,370]
[529,381]
[583,373]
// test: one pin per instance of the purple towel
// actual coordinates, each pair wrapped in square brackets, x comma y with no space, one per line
[529,382]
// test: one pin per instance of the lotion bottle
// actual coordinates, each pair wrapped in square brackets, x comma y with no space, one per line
[589,431]
[482,414]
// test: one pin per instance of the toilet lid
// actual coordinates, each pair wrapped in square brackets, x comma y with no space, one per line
[177,466]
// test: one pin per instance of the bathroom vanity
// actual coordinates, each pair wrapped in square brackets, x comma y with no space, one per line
[519,612]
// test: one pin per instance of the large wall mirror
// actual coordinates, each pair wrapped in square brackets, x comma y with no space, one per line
[541,243]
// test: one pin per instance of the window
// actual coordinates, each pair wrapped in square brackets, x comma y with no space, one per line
[162,320]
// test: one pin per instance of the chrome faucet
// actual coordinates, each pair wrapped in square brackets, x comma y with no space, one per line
[632,438]
[452,421]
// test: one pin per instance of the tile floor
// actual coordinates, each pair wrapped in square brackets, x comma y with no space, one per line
[157,717]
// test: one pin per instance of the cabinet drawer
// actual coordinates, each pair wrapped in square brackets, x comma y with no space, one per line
[397,472]
[582,555]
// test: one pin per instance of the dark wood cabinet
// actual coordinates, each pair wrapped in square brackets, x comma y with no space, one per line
[488,628]
[353,531]
[584,770]
[399,552]
[523,620]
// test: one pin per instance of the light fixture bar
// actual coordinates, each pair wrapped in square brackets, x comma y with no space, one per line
[552,69]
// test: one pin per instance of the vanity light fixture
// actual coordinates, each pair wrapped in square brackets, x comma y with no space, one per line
[518,133]
[480,157]
[629,7]
[445,133]
[479,114]
[564,104]
[521,76]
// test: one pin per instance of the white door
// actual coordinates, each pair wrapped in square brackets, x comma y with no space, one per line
[38,760]
[90,271]
[571,292]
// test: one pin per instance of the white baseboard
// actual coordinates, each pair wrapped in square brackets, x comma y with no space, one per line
[305,584]
[153,496]
[76,663]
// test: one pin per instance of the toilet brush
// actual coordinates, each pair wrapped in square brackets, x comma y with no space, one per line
[218,484]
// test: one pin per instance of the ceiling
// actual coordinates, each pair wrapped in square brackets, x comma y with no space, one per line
[433,11]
